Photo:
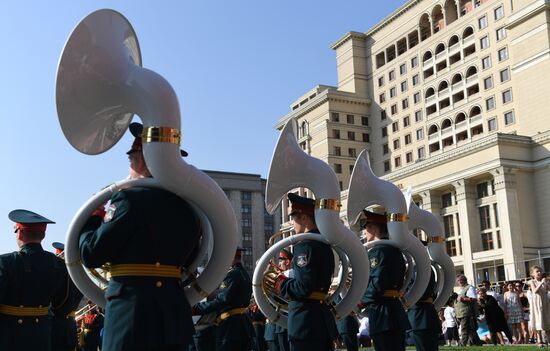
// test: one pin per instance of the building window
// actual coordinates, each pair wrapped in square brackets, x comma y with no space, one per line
[502,54]
[338,168]
[418,116]
[341,185]
[403,69]
[482,190]
[506,96]
[416,79]
[397,161]
[448,225]
[384,132]
[492,124]
[336,134]
[351,136]
[484,218]
[335,117]
[482,22]
[386,166]
[393,109]
[396,144]
[246,209]
[364,121]
[385,149]
[447,200]
[404,86]
[383,115]
[268,227]
[420,134]
[499,13]
[395,126]
[504,75]
[488,82]
[416,98]
[501,33]
[404,104]
[246,222]
[484,42]
[366,137]
[246,195]
[391,75]
[409,157]
[490,103]
[351,119]
[406,121]
[351,169]
[421,153]
[408,139]
[393,92]
[337,151]
[380,81]
[382,98]
[352,152]
[486,62]
[451,248]
[414,62]
[247,237]
[487,241]
[509,118]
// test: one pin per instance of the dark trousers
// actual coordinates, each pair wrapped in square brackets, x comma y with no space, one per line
[468,331]
[350,341]
[425,340]
[495,339]
[311,345]
[232,345]
[272,345]
[282,340]
[389,341]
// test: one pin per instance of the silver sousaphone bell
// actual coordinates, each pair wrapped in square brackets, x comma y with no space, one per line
[100,86]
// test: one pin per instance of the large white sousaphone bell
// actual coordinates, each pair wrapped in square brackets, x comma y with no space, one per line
[365,190]
[443,264]
[100,86]
[292,168]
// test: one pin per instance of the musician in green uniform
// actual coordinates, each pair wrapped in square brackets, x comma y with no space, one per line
[234,329]
[387,318]
[147,235]
[64,329]
[285,264]
[426,326]
[32,281]
[311,325]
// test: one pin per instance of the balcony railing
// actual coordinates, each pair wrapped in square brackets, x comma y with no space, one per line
[433,136]
[458,86]
[478,119]
[468,41]
[428,62]
[461,126]
[430,100]
[472,79]
[446,132]
[439,56]
[454,49]
[443,93]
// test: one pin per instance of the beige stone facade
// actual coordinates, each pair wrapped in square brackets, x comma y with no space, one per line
[246,192]
[449,97]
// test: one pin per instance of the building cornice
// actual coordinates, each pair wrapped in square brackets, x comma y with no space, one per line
[392,17]
[527,12]
[348,36]
[459,152]
[330,94]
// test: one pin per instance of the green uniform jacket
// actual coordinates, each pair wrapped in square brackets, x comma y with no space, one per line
[64,333]
[423,315]
[234,292]
[313,265]
[143,226]
[387,271]
[31,277]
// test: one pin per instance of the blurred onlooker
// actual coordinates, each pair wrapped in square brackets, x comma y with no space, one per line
[466,312]
[364,337]
[513,312]
[540,310]
[450,324]
[524,302]
[496,322]
[483,329]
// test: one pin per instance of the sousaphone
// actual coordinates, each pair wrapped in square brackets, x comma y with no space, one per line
[100,86]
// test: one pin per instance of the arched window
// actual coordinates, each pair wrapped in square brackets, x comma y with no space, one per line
[439,48]
[427,55]
[461,117]
[437,19]
[446,124]
[433,129]
[429,92]
[456,79]
[454,40]
[475,111]
[467,32]
[424,25]
[472,70]
[451,13]
[442,86]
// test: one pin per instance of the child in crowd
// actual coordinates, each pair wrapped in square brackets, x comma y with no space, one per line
[451,333]
[539,307]
[513,311]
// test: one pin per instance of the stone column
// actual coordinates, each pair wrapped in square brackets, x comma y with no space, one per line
[431,201]
[469,224]
[509,221]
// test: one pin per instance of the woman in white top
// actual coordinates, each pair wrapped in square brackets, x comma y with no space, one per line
[539,307]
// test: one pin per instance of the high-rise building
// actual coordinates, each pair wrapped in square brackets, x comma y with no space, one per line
[449,97]
[246,192]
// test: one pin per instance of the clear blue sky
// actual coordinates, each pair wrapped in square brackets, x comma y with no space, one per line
[236,66]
